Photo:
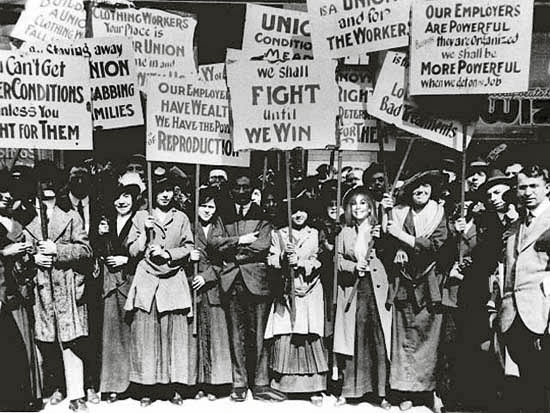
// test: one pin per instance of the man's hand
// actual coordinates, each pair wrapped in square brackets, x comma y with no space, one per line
[460,225]
[198,282]
[47,247]
[15,249]
[248,239]
[387,201]
[194,255]
[116,261]
[44,261]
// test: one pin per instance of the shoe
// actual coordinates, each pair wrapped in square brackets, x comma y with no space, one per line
[340,401]
[268,394]
[199,395]
[78,405]
[384,404]
[113,397]
[92,396]
[316,400]
[211,397]
[177,399]
[145,402]
[56,398]
[405,405]
[238,394]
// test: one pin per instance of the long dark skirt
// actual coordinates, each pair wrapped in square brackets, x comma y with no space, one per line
[115,361]
[415,348]
[162,348]
[299,364]
[214,363]
[15,380]
[368,370]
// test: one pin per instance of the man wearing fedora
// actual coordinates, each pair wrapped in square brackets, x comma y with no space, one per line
[524,313]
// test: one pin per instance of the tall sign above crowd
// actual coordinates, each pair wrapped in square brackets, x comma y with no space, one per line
[44,102]
[471,47]
[50,20]
[391,104]
[283,105]
[276,34]
[188,121]
[163,42]
[113,79]
[342,28]
[357,130]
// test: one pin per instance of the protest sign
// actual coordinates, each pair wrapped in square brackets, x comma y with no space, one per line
[213,73]
[342,28]
[163,42]
[390,104]
[44,102]
[188,121]
[283,105]
[276,34]
[115,96]
[357,129]
[50,20]
[462,47]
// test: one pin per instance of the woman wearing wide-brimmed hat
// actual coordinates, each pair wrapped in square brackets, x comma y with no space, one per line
[116,269]
[362,325]
[298,356]
[161,347]
[418,230]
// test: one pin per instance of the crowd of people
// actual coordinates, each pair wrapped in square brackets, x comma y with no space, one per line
[110,289]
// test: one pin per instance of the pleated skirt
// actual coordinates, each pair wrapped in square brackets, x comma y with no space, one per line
[299,363]
[162,348]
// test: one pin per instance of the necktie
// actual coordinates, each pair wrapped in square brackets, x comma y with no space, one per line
[240,213]
[528,219]
[80,210]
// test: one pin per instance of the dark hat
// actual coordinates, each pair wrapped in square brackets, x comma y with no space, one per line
[299,199]
[449,164]
[161,178]
[129,183]
[373,169]
[478,163]
[47,174]
[495,177]
[137,158]
[432,177]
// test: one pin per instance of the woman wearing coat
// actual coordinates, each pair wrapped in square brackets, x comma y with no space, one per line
[362,323]
[162,350]
[59,311]
[116,270]
[298,356]
[418,230]
[21,388]
[214,357]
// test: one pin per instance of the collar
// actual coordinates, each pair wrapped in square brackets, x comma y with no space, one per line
[74,200]
[541,208]
[245,207]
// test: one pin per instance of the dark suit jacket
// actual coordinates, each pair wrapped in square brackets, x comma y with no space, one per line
[247,260]
[210,263]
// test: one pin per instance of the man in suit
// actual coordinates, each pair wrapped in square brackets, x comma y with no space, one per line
[524,313]
[79,197]
[246,290]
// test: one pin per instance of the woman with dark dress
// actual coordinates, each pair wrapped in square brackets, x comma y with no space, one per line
[418,230]
[117,269]
[20,385]
[362,324]
[214,358]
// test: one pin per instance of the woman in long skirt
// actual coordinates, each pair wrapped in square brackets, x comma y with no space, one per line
[418,229]
[362,325]
[298,356]
[162,350]
[117,269]
[214,357]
